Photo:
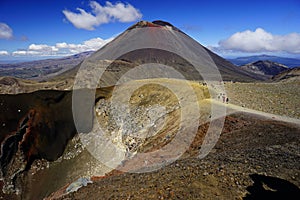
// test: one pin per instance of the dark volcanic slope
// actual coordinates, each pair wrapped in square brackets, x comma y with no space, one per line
[266,67]
[231,72]
[291,74]
[164,33]
[38,125]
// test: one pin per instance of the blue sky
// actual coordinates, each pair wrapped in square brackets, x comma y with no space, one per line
[33,29]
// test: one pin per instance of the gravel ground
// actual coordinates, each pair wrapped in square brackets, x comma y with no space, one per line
[278,98]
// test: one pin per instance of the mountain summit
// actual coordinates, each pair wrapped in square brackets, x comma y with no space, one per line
[265,67]
[156,23]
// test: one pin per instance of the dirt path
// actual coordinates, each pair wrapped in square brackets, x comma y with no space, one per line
[231,108]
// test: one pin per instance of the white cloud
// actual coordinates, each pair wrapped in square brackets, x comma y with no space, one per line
[42,48]
[19,53]
[102,14]
[82,20]
[62,49]
[261,41]
[4,53]
[96,43]
[88,45]
[5,31]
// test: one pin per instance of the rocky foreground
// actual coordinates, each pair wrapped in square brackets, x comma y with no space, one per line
[257,155]
[255,158]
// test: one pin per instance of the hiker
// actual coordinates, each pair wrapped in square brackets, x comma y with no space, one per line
[227,100]
[223,98]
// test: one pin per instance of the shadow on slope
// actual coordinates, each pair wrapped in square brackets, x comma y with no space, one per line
[267,187]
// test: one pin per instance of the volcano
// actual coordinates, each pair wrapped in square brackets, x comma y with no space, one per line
[159,42]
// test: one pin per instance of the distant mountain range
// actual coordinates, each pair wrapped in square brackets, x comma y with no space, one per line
[42,68]
[266,68]
[290,62]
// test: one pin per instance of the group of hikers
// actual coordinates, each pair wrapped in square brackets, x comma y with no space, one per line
[222,97]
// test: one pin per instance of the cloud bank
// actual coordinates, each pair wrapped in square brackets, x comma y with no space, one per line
[260,41]
[5,31]
[4,53]
[60,49]
[102,15]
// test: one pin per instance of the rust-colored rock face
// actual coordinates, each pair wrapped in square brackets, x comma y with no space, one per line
[37,125]
[33,126]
